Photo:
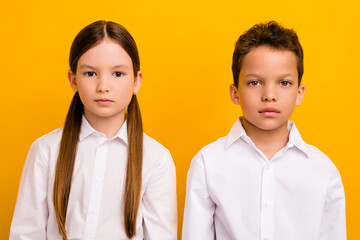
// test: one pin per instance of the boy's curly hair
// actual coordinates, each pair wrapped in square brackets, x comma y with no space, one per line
[269,34]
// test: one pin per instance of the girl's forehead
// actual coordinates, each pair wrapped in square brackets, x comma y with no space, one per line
[106,53]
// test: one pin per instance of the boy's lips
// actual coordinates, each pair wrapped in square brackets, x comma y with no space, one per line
[269,112]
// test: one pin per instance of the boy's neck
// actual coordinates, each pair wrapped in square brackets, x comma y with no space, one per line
[268,142]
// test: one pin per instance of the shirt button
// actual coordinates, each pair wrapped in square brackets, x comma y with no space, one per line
[266,238]
[98,179]
[265,204]
[267,168]
[101,149]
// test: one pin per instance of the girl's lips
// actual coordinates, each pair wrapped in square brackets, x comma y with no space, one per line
[103,101]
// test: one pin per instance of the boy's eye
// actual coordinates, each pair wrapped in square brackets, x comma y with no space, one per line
[118,74]
[89,74]
[285,83]
[254,83]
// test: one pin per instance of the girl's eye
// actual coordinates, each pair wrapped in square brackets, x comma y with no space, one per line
[89,74]
[254,83]
[285,83]
[118,74]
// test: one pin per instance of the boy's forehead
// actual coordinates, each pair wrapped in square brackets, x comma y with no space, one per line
[263,59]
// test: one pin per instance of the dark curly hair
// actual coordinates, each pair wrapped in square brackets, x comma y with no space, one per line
[269,34]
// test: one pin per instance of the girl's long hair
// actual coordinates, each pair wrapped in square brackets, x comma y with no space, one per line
[87,38]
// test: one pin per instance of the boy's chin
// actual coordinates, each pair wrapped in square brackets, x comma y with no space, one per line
[266,125]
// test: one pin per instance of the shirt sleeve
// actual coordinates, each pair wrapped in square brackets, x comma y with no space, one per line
[333,225]
[31,210]
[159,202]
[199,207]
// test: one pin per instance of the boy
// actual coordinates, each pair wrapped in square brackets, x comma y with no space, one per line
[262,181]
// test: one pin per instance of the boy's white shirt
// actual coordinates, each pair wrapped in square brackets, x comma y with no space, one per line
[235,191]
[96,202]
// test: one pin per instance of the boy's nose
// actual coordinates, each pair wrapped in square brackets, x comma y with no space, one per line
[269,99]
[269,95]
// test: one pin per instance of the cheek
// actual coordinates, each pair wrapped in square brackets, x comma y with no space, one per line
[291,97]
[82,88]
[128,86]
[125,89]
[289,102]
[247,99]
[247,107]
[82,83]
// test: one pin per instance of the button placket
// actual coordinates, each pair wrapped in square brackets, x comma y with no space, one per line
[267,202]
[96,192]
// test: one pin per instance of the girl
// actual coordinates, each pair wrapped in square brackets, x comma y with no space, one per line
[100,177]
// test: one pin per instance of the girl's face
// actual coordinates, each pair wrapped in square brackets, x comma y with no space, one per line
[105,81]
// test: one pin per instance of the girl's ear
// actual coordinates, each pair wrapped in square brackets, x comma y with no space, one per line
[137,84]
[72,80]
[300,94]
[234,94]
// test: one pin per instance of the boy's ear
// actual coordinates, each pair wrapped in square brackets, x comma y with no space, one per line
[300,94]
[234,94]
[138,81]
[72,80]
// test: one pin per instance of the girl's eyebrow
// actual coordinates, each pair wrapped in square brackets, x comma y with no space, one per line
[120,66]
[116,66]
[86,66]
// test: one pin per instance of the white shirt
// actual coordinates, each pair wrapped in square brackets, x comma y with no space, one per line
[236,192]
[96,202]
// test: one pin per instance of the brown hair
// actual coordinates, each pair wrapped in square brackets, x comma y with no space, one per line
[269,34]
[87,38]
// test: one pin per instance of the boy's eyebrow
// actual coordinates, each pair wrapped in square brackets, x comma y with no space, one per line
[287,75]
[281,76]
[252,75]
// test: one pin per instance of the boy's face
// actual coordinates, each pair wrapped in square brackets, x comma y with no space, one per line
[268,88]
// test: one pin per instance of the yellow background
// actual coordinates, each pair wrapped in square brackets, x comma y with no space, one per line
[185,50]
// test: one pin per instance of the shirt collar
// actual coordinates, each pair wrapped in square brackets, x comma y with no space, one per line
[237,131]
[296,140]
[87,130]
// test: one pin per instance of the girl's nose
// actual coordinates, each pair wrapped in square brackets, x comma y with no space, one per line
[103,85]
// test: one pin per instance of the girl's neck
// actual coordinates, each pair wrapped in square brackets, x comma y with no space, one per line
[268,141]
[106,125]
